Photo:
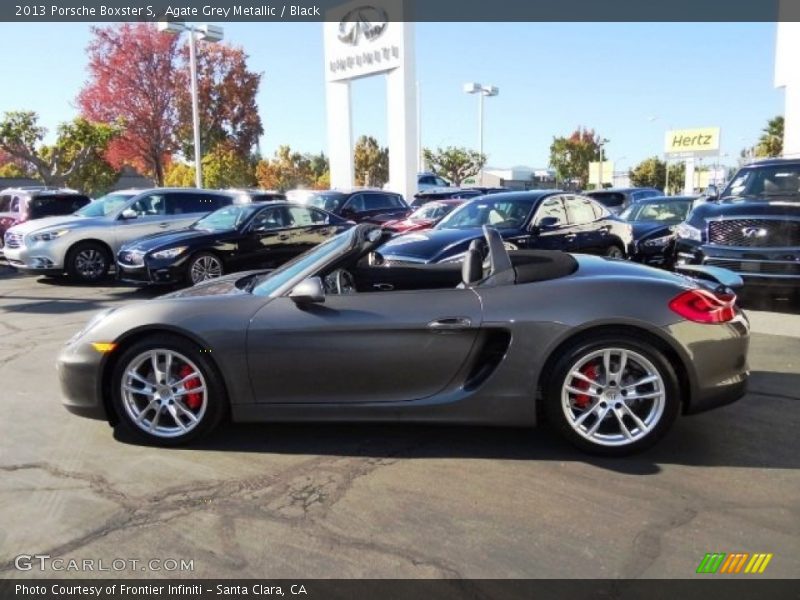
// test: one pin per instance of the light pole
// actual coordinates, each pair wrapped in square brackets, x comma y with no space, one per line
[482,91]
[666,158]
[208,33]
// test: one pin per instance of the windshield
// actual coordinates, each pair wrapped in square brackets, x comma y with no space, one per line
[432,211]
[107,205]
[270,282]
[226,218]
[657,211]
[503,214]
[765,182]
[329,202]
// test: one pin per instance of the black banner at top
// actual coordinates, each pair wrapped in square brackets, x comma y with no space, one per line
[415,10]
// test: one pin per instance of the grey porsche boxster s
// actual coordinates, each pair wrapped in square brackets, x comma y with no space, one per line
[608,352]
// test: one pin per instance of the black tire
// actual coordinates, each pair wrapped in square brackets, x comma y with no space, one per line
[198,261]
[88,262]
[216,401]
[614,251]
[554,400]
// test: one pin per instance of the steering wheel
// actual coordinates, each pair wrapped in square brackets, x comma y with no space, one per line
[345,284]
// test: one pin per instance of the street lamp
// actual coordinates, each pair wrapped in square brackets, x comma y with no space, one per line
[207,33]
[482,91]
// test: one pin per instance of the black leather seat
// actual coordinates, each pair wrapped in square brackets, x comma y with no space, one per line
[541,265]
[472,267]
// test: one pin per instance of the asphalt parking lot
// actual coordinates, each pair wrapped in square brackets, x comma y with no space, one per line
[314,501]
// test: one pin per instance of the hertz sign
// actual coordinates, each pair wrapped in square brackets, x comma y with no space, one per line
[685,143]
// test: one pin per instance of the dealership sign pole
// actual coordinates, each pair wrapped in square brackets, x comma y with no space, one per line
[689,145]
[363,40]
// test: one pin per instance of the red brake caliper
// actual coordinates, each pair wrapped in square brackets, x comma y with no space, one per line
[583,400]
[193,401]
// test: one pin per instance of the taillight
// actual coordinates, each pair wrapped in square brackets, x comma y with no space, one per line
[703,306]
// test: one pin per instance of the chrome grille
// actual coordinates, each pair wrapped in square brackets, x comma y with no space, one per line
[13,240]
[754,232]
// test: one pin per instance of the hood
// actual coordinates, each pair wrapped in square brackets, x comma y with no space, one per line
[70,221]
[645,228]
[169,239]
[746,208]
[409,225]
[432,245]
[222,286]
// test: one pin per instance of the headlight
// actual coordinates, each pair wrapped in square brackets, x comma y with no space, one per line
[171,253]
[95,320]
[658,242]
[49,236]
[689,232]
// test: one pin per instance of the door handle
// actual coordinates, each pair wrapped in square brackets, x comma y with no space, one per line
[163,225]
[570,236]
[450,324]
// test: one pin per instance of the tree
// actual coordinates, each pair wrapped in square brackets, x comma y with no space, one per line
[677,177]
[651,172]
[570,156]
[285,171]
[132,79]
[226,92]
[371,162]
[225,167]
[179,174]
[77,158]
[770,143]
[14,167]
[453,163]
[320,171]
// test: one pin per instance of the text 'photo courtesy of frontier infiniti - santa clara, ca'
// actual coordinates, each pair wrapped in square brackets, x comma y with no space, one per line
[342,298]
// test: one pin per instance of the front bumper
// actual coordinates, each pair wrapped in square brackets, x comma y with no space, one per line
[79,367]
[153,272]
[39,258]
[767,267]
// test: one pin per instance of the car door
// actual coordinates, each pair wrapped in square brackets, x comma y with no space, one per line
[362,347]
[144,215]
[266,242]
[589,232]
[555,236]
[308,227]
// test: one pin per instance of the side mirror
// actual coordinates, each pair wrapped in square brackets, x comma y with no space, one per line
[308,291]
[128,214]
[547,223]
[712,192]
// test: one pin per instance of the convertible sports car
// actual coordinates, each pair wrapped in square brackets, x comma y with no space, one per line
[608,352]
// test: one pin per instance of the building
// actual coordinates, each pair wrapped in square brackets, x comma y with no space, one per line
[515,178]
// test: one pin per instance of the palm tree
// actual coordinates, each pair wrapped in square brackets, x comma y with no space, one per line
[771,141]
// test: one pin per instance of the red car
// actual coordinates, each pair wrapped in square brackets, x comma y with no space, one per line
[424,217]
[36,202]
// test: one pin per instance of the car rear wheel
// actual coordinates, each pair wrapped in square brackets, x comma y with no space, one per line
[165,391]
[612,395]
[88,262]
[204,266]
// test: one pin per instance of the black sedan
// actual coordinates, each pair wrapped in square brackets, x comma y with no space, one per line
[542,219]
[654,221]
[358,205]
[233,238]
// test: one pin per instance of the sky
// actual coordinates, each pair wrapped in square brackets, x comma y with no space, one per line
[630,82]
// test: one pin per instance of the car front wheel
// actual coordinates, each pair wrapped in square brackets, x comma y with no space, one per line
[612,396]
[204,266]
[615,252]
[88,262]
[165,391]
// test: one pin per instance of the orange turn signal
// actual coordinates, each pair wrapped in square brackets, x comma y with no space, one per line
[103,347]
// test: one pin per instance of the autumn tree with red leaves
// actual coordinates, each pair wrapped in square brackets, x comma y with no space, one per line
[140,77]
[133,81]
[570,156]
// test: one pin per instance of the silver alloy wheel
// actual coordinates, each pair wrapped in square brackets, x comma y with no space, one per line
[613,396]
[205,268]
[90,263]
[614,252]
[155,395]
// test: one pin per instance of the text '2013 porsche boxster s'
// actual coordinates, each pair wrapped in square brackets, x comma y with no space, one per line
[608,352]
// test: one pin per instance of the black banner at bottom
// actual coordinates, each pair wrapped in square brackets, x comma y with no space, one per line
[391,589]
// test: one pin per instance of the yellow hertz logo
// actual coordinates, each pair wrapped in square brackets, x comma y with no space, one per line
[737,562]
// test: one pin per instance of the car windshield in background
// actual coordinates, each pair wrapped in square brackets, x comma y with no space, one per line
[610,199]
[657,211]
[432,210]
[329,202]
[107,205]
[502,214]
[766,182]
[226,218]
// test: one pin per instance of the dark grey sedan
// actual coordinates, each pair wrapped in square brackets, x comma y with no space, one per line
[607,351]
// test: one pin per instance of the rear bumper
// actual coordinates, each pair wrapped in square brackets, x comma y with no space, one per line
[759,267]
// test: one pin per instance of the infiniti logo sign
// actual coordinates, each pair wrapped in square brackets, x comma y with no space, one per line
[753,232]
[368,22]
